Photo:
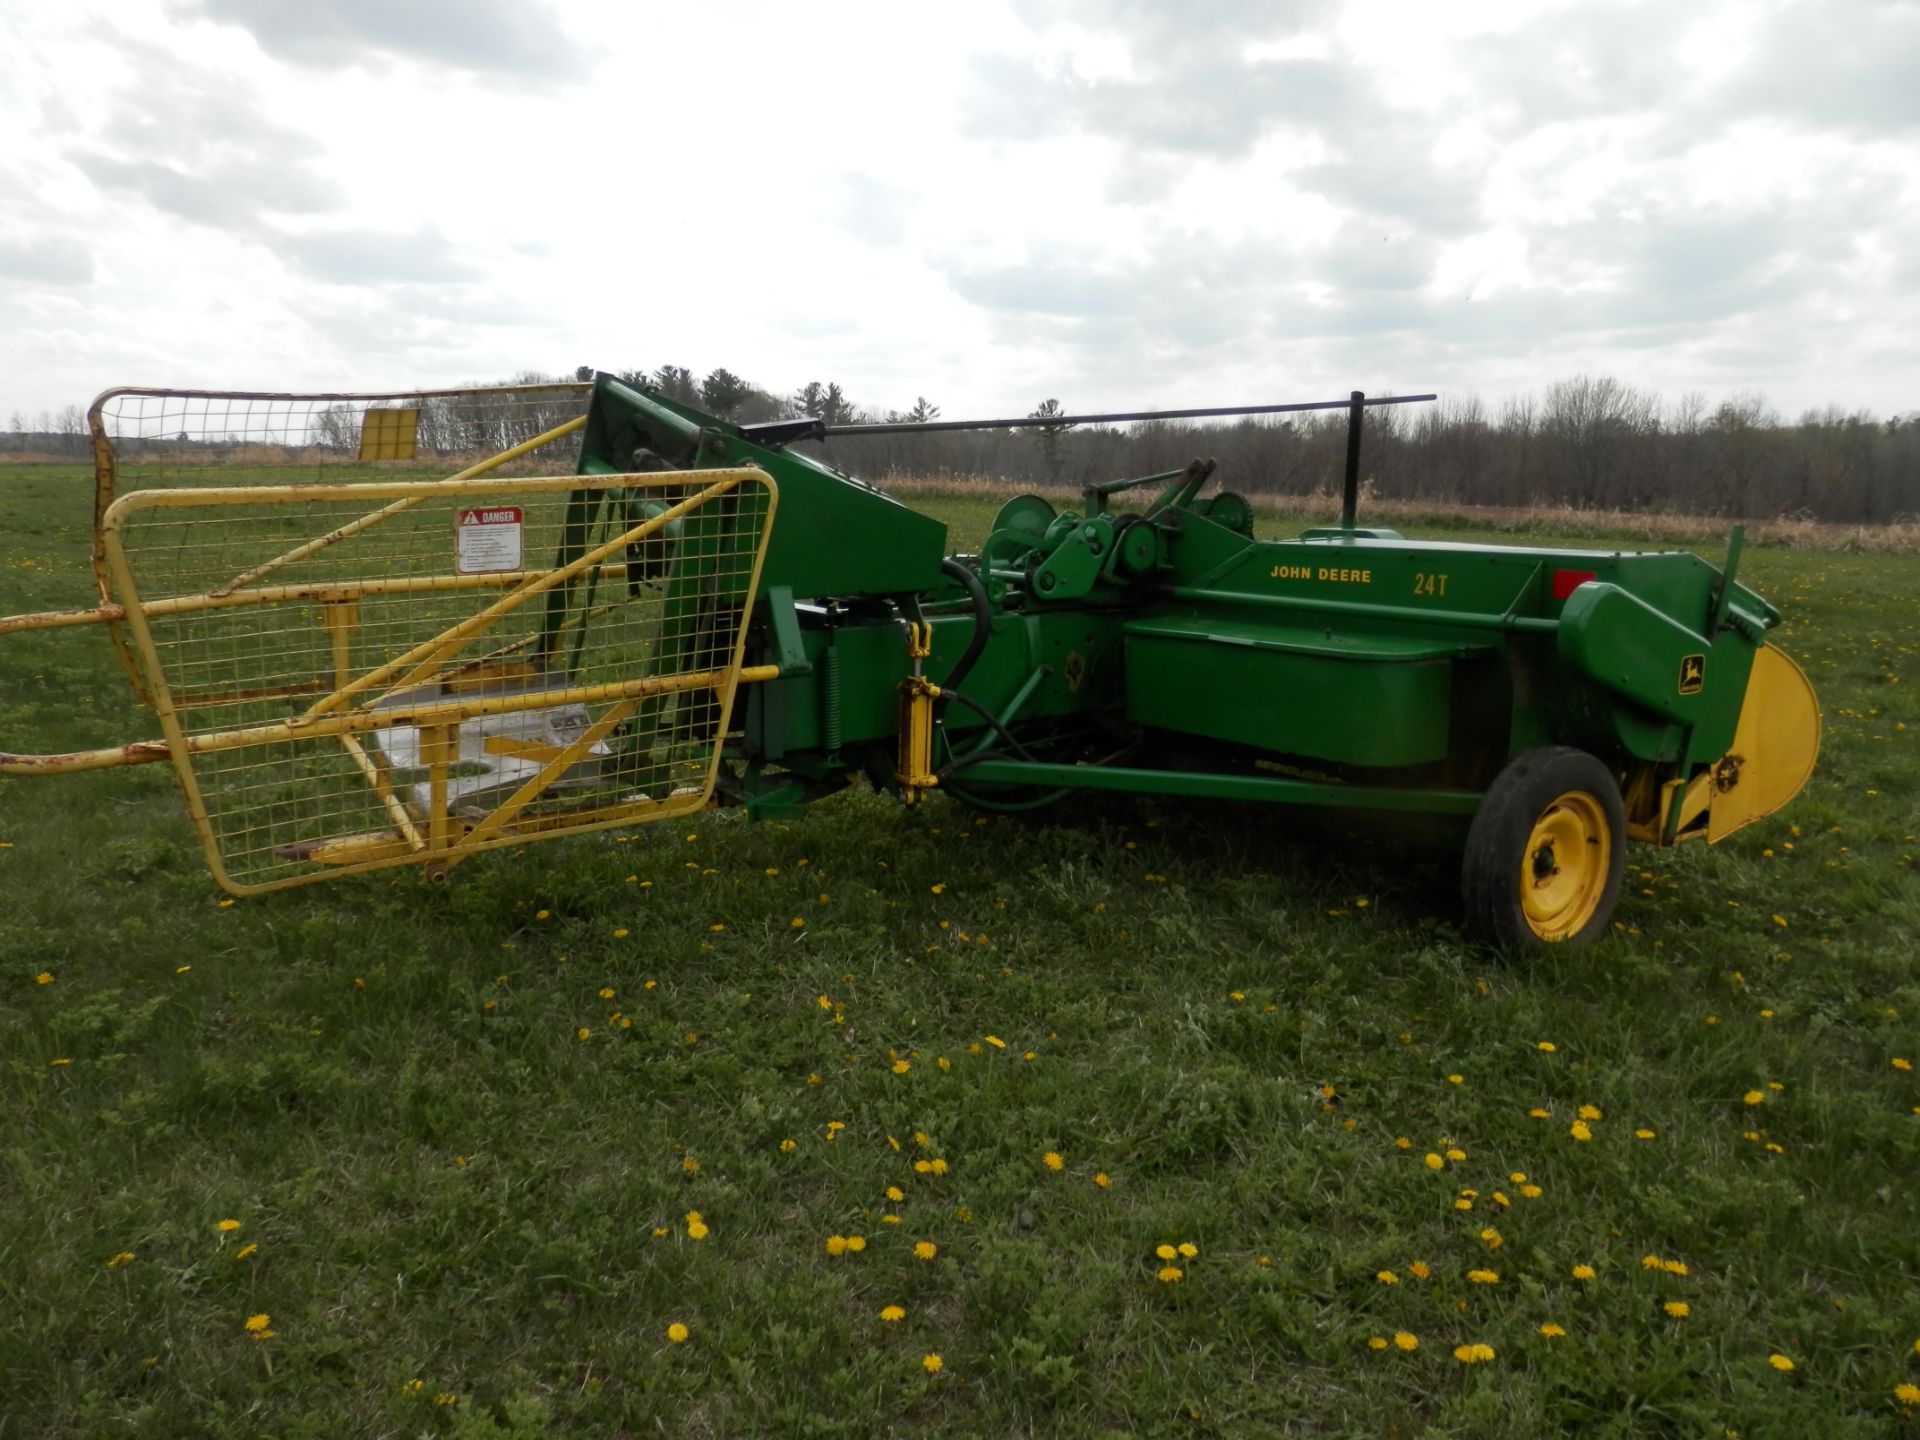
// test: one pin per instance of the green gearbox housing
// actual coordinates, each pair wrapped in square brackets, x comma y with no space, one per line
[1556,701]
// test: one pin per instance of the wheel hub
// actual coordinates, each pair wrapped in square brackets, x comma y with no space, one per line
[1564,876]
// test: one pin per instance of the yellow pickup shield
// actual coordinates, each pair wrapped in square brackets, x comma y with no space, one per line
[1775,745]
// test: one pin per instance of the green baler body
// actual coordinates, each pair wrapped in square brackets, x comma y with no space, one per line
[1345,666]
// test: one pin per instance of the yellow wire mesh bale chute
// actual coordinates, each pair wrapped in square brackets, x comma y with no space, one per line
[391,672]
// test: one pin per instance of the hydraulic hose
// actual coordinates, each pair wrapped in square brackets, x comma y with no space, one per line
[982,620]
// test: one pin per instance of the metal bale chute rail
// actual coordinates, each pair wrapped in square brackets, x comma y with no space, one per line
[378,630]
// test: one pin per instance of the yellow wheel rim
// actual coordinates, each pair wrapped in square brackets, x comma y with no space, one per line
[1563,874]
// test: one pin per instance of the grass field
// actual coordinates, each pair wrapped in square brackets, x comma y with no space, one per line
[452,1142]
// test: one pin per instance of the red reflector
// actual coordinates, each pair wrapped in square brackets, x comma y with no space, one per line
[1565,582]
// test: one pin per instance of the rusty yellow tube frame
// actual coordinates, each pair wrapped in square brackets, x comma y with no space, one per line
[439,721]
[525,583]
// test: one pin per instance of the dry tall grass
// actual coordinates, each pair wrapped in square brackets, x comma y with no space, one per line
[1791,532]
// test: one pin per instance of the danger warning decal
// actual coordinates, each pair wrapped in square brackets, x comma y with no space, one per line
[486,541]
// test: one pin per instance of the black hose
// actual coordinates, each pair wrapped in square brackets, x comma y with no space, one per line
[992,719]
[982,620]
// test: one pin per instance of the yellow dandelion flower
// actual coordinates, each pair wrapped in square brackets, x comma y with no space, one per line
[696,1230]
[856,1243]
[1900,1064]
[125,1257]
[787,1147]
[1419,1269]
[1907,1394]
[1434,1162]
[900,1067]
[1643,1134]
[1652,1262]
[227,1227]
[1678,1309]
[892,1314]
[1053,1160]
[925,1250]
[1376,1342]
[1456,1079]
[1484,1277]
[1463,1203]
[1552,1331]
[996,1042]
[690,1165]
[1579,1131]
[1456,1154]
[1189,1249]
[583,1034]
[1780,1363]
[1546,1047]
[1492,1238]
[938,1166]
[1170,1274]
[606,992]
[932,1364]
[257,1323]
[1674,1267]
[1404,1341]
[1532,1192]
[836,1244]
[1165,1252]
[677,1333]
[1754,1097]
[244,1251]
[1401,1142]
[1539,1114]
[1473,1354]
[1102,1179]
[45,977]
[896,1194]
[1583,1272]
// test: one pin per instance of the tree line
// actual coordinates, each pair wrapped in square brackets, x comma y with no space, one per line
[1588,442]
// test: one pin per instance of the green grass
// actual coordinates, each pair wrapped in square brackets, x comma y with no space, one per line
[387,1086]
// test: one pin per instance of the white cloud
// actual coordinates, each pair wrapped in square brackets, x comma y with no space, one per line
[1112,201]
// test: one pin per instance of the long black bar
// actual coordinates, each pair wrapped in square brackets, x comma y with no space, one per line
[1350,492]
[1028,421]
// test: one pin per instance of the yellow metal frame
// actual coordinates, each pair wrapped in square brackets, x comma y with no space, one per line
[106,475]
[438,838]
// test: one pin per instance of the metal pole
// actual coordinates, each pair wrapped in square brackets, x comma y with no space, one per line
[1350,494]
[905,427]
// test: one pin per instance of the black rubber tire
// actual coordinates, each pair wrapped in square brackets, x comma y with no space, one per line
[1490,871]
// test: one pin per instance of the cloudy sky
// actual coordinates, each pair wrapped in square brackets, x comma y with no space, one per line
[1118,202]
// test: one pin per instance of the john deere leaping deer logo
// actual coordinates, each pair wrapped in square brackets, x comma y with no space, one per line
[1693,673]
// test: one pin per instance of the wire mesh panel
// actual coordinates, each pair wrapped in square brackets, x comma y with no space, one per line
[388,672]
[156,438]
